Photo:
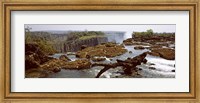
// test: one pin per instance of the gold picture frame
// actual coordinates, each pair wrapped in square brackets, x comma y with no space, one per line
[187,5]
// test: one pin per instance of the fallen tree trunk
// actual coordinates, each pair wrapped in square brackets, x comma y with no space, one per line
[128,65]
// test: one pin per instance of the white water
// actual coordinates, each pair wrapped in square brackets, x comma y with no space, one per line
[163,67]
[161,64]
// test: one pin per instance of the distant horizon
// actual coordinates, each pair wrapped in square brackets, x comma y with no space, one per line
[128,28]
[92,30]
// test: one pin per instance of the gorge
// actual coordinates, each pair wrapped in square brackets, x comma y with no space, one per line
[103,54]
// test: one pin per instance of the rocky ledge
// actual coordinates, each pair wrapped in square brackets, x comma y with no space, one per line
[105,49]
[55,65]
[165,53]
[39,65]
[34,56]
[78,64]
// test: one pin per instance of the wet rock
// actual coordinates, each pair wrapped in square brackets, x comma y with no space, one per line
[64,58]
[165,53]
[56,69]
[83,47]
[98,59]
[139,48]
[128,41]
[130,52]
[128,71]
[138,68]
[151,64]
[153,68]
[77,55]
[78,64]
[128,65]
[173,70]
[153,53]
[144,61]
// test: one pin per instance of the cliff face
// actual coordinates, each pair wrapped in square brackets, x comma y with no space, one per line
[76,45]
[72,41]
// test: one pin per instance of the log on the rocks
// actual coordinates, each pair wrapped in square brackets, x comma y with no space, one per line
[128,65]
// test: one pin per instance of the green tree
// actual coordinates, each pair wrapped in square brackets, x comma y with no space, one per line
[150,32]
[27,34]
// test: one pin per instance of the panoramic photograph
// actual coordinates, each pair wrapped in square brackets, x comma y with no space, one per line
[100,50]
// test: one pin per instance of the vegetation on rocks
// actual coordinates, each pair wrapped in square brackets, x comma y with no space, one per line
[128,41]
[34,56]
[150,37]
[88,48]
[64,58]
[105,49]
[166,53]
[42,42]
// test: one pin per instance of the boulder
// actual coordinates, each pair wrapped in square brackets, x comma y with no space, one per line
[64,58]
[139,47]
[144,61]
[165,53]
[56,69]
[153,68]
[83,47]
[153,53]
[151,64]
[54,65]
[128,41]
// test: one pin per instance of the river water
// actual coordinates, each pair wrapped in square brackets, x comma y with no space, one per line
[156,67]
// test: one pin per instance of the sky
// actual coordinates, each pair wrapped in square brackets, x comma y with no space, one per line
[91,27]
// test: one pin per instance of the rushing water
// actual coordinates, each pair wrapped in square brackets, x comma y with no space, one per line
[162,68]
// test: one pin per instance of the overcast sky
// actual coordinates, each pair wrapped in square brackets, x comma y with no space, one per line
[156,28]
[127,28]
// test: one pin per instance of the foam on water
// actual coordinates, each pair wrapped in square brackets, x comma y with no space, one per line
[161,63]
[163,67]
